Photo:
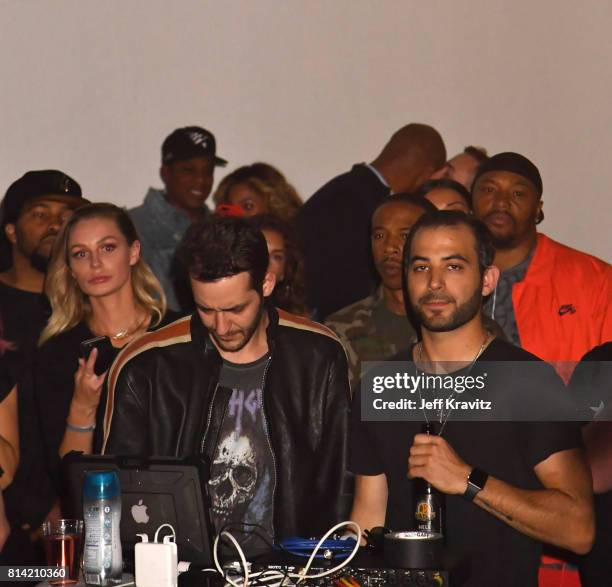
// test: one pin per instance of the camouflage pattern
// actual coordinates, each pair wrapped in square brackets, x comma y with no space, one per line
[362,329]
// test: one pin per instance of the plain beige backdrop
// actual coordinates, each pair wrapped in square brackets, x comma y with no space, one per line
[311,86]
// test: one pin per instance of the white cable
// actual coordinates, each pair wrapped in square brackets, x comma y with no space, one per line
[272,574]
[304,574]
[162,526]
[240,554]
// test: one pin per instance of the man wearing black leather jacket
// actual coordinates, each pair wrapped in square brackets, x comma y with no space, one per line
[261,393]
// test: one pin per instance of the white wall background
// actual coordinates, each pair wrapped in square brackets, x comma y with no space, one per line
[311,86]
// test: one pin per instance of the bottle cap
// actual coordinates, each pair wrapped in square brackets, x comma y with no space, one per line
[101,485]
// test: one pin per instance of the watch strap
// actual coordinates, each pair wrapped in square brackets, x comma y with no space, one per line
[475,482]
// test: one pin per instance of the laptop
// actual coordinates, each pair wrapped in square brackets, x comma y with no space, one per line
[154,491]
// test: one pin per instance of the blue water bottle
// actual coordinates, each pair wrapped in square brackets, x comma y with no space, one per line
[102,559]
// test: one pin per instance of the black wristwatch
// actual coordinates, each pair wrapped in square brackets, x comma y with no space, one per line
[475,482]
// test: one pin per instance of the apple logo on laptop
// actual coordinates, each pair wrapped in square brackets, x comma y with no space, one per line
[139,513]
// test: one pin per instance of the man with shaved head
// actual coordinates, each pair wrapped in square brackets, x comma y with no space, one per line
[335,221]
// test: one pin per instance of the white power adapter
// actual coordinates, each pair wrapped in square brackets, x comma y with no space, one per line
[156,562]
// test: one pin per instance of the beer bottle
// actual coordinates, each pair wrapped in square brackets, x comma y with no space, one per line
[428,503]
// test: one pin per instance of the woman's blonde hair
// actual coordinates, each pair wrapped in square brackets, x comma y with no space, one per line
[282,200]
[69,304]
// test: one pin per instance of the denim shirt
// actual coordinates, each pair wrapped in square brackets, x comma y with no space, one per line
[161,228]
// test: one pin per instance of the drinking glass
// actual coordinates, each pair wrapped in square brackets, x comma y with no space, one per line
[63,540]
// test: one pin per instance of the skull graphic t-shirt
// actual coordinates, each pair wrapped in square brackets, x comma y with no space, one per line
[242,472]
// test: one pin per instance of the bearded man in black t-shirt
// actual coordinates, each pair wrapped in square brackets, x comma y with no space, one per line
[508,485]
[31,214]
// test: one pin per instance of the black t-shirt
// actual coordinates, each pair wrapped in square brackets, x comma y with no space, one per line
[499,555]
[55,364]
[10,363]
[30,496]
[24,315]
[242,471]
[591,385]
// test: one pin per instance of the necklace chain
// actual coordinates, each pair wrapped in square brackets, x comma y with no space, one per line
[442,421]
[126,332]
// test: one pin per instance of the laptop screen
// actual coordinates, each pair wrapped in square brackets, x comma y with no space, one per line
[154,491]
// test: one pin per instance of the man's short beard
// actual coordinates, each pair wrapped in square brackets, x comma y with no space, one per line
[505,242]
[248,333]
[462,315]
[39,262]
[513,239]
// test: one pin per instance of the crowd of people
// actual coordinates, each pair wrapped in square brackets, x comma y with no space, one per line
[240,333]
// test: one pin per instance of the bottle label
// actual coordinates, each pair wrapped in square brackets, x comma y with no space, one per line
[425,512]
[92,579]
[102,560]
[93,528]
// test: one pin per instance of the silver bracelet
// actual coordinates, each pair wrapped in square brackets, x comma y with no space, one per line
[82,429]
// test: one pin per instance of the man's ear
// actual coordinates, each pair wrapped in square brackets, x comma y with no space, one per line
[442,171]
[11,234]
[425,175]
[540,215]
[164,171]
[268,283]
[489,280]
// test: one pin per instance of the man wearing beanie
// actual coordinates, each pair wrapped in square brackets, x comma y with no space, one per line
[189,158]
[551,300]
[32,211]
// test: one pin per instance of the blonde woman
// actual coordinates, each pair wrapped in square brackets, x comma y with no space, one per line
[259,189]
[98,286]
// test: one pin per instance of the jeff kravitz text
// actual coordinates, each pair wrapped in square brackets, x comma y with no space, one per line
[449,403]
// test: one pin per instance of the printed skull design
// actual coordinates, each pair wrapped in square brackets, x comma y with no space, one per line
[234,476]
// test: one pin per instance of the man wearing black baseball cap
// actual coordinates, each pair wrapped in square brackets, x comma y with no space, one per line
[189,158]
[551,300]
[32,212]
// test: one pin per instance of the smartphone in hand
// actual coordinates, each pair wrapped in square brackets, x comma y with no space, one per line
[106,352]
